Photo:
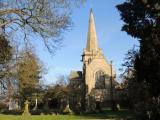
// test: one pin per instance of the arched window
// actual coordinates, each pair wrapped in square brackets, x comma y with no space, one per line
[100,80]
[89,60]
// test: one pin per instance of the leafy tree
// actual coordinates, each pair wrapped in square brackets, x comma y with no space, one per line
[47,19]
[142,21]
[28,75]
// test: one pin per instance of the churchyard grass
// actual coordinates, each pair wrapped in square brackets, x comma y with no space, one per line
[116,115]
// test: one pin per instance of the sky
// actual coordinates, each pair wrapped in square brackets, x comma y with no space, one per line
[111,39]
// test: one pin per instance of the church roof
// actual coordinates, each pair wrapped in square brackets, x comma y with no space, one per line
[75,75]
[92,44]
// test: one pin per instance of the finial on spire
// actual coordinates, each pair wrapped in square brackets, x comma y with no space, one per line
[91,10]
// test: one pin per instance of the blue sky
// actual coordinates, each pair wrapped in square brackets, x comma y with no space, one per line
[111,39]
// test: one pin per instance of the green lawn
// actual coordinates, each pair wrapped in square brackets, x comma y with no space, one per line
[118,115]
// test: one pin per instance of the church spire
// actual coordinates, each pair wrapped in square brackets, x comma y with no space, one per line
[92,44]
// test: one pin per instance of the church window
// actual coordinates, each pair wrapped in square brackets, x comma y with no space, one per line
[89,60]
[100,80]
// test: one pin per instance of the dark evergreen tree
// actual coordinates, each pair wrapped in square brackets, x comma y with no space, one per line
[142,21]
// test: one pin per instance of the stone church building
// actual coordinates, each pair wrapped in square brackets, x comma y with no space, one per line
[93,87]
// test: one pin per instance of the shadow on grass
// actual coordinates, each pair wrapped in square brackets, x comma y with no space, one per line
[108,114]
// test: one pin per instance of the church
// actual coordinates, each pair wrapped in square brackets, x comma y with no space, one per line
[93,87]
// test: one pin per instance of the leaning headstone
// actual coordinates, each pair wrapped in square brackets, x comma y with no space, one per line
[52,113]
[67,110]
[26,109]
[41,113]
[10,104]
[16,106]
[118,107]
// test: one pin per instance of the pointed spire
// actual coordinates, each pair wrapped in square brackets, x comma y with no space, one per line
[92,44]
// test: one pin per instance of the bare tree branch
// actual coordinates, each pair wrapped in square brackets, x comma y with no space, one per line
[47,18]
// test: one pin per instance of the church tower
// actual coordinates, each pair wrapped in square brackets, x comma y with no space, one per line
[97,72]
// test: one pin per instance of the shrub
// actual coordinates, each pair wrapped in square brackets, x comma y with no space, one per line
[3,106]
[12,112]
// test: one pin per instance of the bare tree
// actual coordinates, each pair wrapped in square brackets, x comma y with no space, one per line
[62,80]
[5,57]
[47,19]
